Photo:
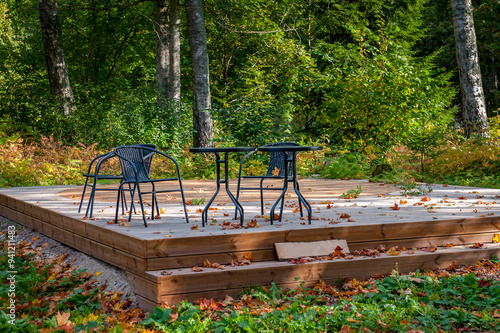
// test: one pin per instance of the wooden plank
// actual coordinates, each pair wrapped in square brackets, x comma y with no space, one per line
[224,258]
[290,250]
[146,304]
[427,242]
[279,272]
[171,247]
[3,199]
[353,234]
[145,287]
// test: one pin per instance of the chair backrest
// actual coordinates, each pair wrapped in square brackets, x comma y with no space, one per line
[277,159]
[136,158]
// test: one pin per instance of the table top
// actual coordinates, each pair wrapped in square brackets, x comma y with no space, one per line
[289,148]
[221,149]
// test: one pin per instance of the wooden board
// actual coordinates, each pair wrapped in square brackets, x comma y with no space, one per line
[292,250]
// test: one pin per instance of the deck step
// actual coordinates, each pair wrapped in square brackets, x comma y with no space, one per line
[172,286]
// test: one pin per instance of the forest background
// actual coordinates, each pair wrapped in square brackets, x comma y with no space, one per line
[373,81]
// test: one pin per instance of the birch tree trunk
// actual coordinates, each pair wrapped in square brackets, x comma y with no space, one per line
[54,55]
[161,16]
[473,103]
[202,118]
[174,92]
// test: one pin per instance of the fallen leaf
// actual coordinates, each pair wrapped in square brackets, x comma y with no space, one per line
[173,317]
[276,171]
[253,224]
[496,238]
[196,269]
[393,252]
[395,207]
[425,199]
[345,216]
[194,227]
[62,318]
[477,246]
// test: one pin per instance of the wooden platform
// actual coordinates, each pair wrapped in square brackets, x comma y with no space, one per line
[159,259]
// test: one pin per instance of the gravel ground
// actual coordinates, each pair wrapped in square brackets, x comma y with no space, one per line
[113,278]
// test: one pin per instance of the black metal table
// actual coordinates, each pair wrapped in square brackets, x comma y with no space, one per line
[290,159]
[219,161]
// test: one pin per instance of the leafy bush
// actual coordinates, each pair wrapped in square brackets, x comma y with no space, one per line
[48,162]
[347,165]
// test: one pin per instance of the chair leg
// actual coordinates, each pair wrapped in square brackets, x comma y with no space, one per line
[153,200]
[119,195]
[83,194]
[91,199]
[132,196]
[183,200]
[142,205]
[261,197]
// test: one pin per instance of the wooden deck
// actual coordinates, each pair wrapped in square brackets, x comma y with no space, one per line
[159,259]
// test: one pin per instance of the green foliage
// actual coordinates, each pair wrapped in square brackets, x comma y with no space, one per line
[352,193]
[412,189]
[347,165]
[386,97]
[252,123]
[396,303]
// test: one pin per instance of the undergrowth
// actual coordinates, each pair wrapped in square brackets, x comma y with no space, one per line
[52,296]
[472,162]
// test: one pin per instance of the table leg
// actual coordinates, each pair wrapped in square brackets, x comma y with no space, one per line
[204,214]
[238,206]
[296,188]
[282,195]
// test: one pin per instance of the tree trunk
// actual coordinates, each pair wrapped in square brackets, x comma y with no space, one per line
[473,103]
[162,51]
[54,55]
[174,92]
[202,118]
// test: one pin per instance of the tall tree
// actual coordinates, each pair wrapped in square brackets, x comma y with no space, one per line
[473,103]
[202,118]
[161,16]
[174,92]
[54,55]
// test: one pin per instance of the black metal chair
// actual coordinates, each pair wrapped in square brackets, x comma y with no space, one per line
[275,170]
[94,175]
[136,166]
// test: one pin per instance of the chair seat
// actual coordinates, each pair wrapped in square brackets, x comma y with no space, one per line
[103,176]
[265,177]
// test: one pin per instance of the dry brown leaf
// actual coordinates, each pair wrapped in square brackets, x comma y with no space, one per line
[62,318]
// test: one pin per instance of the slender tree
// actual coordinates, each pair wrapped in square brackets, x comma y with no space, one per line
[174,91]
[473,103]
[202,118]
[161,16]
[54,55]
